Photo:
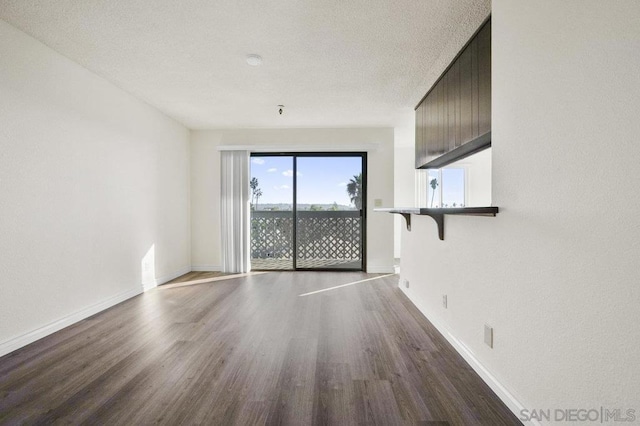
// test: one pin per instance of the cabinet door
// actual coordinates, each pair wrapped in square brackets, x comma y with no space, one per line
[457,109]
[475,94]
[466,98]
[452,97]
[484,79]
[425,132]
[419,136]
[433,148]
[431,127]
[442,126]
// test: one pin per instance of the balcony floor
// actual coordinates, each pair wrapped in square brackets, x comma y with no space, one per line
[285,264]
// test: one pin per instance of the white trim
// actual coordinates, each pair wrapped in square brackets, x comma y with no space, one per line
[505,396]
[302,148]
[206,268]
[173,275]
[421,189]
[164,279]
[18,342]
[380,269]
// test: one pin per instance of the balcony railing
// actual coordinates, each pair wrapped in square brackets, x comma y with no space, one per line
[325,236]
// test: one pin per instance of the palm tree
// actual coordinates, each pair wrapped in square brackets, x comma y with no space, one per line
[258,194]
[354,189]
[434,185]
[254,185]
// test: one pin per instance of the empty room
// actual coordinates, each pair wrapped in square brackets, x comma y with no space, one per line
[306,213]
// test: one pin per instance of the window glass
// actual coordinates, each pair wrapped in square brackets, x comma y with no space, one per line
[433,188]
[446,188]
[465,183]
[453,187]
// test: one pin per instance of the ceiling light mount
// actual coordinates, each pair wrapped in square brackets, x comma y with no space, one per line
[254,60]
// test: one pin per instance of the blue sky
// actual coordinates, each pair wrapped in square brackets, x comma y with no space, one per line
[321,180]
[451,184]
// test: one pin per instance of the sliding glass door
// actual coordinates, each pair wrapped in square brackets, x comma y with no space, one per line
[271,195]
[329,215]
[307,211]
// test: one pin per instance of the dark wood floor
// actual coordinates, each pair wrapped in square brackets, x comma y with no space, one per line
[250,350]
[195,276]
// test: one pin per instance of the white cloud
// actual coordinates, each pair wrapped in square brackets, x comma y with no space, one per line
[271,170]
[281,187]
[342,184]
[289,173]
[257,160]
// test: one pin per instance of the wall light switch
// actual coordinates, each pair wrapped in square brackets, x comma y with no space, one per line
[488,335]
[377,202]
[444,301]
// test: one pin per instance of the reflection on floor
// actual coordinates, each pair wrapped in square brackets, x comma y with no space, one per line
[195,278]
[190,276]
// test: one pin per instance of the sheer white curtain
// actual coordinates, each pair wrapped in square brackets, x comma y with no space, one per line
[234,211]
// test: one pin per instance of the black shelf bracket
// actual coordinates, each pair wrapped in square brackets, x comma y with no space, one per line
[438,214]
[439,218]
[407,218]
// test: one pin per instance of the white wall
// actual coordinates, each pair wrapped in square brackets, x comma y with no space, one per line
[479,178]
[477,169]
[92,181]
[403,175]
[205,181]
[206,239]
[556,272]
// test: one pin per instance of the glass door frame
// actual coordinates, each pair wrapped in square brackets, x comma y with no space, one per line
[363,210]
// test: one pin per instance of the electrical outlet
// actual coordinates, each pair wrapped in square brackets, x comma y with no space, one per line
[444,301]
[406,283]
[377,202]
[488,335]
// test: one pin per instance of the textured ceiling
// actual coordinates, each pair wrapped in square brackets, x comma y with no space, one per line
[332,63]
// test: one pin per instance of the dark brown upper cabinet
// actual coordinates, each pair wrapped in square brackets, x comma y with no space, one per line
[453,120]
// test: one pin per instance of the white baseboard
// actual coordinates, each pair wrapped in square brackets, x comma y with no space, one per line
[206,268]
[18,342]
[165,278]
[380,269]
[505,396]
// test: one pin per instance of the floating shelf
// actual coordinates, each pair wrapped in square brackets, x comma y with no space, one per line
[438,214]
